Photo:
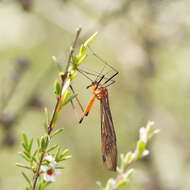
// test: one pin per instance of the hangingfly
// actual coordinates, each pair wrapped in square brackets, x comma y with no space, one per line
[108,136]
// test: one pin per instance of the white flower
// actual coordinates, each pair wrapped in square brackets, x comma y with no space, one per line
[50,171]
[143,134]
[146,153]
[52,161]
[49,158]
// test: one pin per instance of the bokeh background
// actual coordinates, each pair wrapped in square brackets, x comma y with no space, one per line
[147,41]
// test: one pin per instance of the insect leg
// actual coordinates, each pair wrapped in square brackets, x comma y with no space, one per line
[88,108]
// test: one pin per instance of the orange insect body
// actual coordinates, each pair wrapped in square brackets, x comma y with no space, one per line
[108,137]
[99,92]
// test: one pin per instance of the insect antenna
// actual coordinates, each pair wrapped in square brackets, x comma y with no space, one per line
[85,75]
[98,57]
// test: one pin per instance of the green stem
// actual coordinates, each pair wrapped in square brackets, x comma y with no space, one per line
[55,112]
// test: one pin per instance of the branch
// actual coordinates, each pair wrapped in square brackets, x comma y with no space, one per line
[55,111]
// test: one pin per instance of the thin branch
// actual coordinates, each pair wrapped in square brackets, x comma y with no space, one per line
[50,127]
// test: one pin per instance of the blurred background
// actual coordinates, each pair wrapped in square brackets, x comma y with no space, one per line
[147,41]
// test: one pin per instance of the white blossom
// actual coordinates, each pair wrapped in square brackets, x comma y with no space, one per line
[143,134]
[50,171]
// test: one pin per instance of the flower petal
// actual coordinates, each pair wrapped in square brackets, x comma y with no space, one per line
[49,158]
[43,168]
[47,177]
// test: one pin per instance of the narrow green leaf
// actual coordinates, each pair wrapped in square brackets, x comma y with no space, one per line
[129,173]
[27,179]
[24,157]
[25,140]
[23,166]
[57,88]
[30,144]
[53,148]
[82,51]
[45,184]
[56,132]
[122,183]
[25,146]
[60,167]
[70,98]
[128,158]
[55,117]
[27,154]
[43,143]
[65,158]
[82,58]
[90,39]
[34,157]
[140,149]
[64,153]
[58,153]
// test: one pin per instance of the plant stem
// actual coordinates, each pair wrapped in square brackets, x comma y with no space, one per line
[55,111]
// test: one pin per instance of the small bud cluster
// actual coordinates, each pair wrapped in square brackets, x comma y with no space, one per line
[123,173]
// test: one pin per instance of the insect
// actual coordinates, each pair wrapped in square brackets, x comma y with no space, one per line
[108,136]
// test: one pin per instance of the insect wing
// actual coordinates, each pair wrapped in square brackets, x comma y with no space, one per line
[108,137]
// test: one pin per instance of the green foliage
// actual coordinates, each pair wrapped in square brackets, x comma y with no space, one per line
[40,160]
[57,88]
[123,173]
[32,156]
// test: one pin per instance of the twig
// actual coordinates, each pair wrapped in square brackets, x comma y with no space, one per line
[50,126]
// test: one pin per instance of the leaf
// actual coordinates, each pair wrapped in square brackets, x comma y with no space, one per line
[127,158]
[27,179]
[140,149]
[129,173]
[65,152]
[30,144]
[84,46]
[57,88]
[46,183]
[23,166]
[56,132]
[24,157]
[34,156]
[25,146]
[65,158]
[70,98]
[60,167]
[82,58]
[55,117]
[90,39]
[57,154]
[53,148]
[25,140]
[121,183]
[26,154]
[43,143]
